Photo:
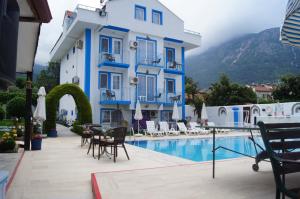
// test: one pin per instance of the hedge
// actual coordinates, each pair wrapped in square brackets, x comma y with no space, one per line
[16,107]
[2,114]
[52,102]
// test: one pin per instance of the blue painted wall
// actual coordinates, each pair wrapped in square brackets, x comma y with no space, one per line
[183,81]
[87,76]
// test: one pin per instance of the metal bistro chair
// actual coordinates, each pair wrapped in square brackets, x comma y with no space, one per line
[110,95]
[175,98]
[282,145]
[118,139]
[109,57]
[86,134]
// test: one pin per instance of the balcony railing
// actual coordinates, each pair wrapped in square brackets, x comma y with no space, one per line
[172,97]
[174,66]
[111,97]
[116,60]
[156,61]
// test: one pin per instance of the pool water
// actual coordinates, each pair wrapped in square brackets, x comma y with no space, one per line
[200,149]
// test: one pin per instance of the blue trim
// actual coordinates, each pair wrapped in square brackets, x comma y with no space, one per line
[115,28]
[145,12]
[175,72]
[113,64]
[115,102]
[173,40]
[171,104]
[87,77]
[183,81]
[160,15]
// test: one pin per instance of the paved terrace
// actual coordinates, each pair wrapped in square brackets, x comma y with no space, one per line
[62,170]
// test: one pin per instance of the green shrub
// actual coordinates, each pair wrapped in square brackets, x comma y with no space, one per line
[77,128]
[16,107]
[81,100]
[2,114]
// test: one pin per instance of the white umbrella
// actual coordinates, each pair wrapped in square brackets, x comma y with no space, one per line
[40,111]
[290,29]
[138,115]
[204,116]
[175,115]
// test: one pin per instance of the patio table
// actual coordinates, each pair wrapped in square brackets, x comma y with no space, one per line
[101,132]
[248,128]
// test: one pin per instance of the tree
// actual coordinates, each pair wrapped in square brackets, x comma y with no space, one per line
[191,89]
[288,89]
[224,93]
[21,82]
[16,107]
[49,78]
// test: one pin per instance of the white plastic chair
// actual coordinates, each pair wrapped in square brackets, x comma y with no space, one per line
[182,128]
[196,127]
[151,130]
[164,127]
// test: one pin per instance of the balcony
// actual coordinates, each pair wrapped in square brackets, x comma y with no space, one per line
[112,60]
[113,97]
[156,62]
[173,67]
[170,98]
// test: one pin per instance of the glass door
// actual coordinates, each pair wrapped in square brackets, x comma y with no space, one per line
[117,50]
[104,48]
[151,90]
[116,85]
[170,57]
[103,85]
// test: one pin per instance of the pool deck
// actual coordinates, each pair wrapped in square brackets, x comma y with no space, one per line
[62,170]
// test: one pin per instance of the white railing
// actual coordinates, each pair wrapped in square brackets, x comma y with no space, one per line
[192,32]
[85,7]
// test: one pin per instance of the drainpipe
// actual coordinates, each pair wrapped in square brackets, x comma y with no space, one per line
[28,112]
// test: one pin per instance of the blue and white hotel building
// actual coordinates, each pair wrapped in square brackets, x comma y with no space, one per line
[125,51]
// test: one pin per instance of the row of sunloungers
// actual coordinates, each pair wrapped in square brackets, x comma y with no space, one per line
[164,129]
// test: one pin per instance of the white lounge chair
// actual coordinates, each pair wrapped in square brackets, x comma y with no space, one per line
[164,127]
[196,127]
[218,130]
[151,129]
[182,128]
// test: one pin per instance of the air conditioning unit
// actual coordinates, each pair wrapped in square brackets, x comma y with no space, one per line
[153,114]
[133,44]
[134,80]
[79,44]
[75,80]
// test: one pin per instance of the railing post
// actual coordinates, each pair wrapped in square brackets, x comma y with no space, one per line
[28,112]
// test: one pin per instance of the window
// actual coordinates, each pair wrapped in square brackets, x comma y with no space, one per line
[147,88]
[170,57]
[157,17]
[111,116]
[166,116]
[104,46]
[74,50]
[140,13]
[117,47]
[104,80]
[146,51]
[170,86]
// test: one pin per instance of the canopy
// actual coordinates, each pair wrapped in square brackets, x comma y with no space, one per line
[204,112]
[290,31]
[175,115]
[138,111]
[40,111]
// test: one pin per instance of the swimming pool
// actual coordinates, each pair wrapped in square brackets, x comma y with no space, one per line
[200,149]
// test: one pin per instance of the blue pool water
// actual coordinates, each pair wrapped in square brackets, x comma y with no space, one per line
[200,149]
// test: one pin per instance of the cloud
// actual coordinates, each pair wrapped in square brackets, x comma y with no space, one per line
[216,20]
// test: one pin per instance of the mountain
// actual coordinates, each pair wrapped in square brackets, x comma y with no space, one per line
[258,58]
[37,70]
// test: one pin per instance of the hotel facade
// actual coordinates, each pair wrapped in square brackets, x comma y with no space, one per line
[125,51]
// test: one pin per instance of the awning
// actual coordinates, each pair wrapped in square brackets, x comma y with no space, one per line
[20,22]
[290,31]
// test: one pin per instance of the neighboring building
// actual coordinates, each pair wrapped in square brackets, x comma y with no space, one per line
[126,51]
[263,91]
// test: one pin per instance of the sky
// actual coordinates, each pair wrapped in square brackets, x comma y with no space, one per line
[216,20]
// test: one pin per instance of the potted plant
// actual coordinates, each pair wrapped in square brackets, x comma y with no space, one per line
[8,143]
[36,139]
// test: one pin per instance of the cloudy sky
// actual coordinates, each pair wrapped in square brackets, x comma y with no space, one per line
[216,20]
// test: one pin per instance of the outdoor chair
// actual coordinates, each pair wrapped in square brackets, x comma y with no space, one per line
[152,130]
[282,146]
[157,61]
[109,57]
[195,126]
[110,95]
[182,128]
[117,140]
[164,127]
[86,134]
[175,98]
